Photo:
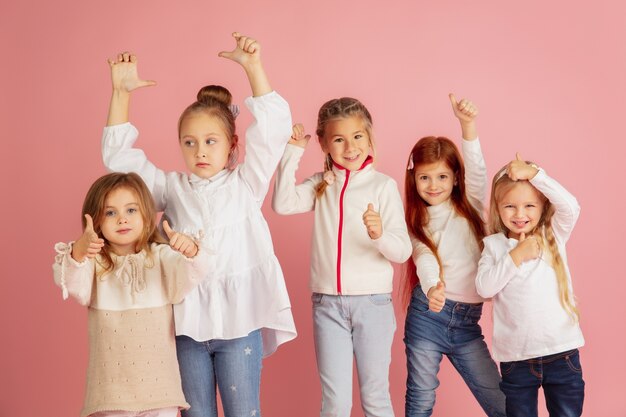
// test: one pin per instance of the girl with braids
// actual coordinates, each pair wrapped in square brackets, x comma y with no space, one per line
[536,334]
[444,216]
[242,313]
[358,231]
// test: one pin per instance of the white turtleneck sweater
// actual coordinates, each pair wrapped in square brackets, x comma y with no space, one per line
[456,245]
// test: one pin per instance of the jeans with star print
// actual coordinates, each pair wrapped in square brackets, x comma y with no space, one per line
[232,366]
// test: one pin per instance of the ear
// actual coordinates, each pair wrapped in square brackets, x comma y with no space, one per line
[234,141]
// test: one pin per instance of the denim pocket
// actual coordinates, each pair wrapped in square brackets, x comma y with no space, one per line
[316,299]
[380,299]
[506,367]
[573,361]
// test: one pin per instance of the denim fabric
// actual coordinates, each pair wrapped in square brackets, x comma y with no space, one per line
[233,365]
[453,332]
[359,326]
[561,377]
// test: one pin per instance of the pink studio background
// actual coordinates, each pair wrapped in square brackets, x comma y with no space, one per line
[549,78]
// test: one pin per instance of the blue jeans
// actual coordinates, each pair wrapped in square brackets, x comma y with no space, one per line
[561,377]
[233,365]
[359,327]
[455,332]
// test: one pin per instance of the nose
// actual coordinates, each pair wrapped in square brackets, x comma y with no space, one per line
[349,144]
[201,152]
[122,219]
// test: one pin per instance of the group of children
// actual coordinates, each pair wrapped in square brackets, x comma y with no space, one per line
[173,320]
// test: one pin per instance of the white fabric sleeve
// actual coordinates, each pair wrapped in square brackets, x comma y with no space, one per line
[180,274]
[394,244]
[289,198]
[74,278]
[266,138]
[566,206]
[119,155]
[426,265]
[475,174]
[494,274]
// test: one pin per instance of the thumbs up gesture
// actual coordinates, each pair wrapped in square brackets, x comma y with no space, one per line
[518,169]
[464,110]
[124,73]
[373,222]
[180,241]
[89,244]
[527,249]
[437,297]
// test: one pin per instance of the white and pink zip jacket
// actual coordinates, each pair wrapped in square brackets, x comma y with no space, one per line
[344,260]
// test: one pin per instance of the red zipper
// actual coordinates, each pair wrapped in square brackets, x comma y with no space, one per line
[340,232]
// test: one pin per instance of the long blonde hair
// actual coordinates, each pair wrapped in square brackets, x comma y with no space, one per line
[501,185]
[340,108]
[94,205]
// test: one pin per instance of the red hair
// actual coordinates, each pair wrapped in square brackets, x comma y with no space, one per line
[430,150]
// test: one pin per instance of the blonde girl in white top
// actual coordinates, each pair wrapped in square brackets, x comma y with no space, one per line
[359,230]
[536,334]
[242,313]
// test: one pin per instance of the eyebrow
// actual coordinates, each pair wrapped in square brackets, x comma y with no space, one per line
[126,205]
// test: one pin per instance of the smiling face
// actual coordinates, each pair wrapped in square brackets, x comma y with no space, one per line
[520,209]
[434,182]
[347,141]
[122,222]
[204,143]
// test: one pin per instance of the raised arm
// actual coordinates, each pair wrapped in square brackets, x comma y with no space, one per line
[289,198]
[124,79]
[475,169]
[247,53]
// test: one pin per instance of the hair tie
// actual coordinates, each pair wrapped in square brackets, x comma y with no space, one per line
[234,109]
[410,166]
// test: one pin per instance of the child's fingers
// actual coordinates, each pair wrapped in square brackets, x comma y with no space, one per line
[88,223]
[126,57]
[518,157]
[167,229]
[522,237]
[453,100]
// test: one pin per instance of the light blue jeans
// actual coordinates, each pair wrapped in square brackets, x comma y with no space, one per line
[455,332]
[359,326]
[234,366]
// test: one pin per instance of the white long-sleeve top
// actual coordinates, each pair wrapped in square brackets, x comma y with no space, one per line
[452,234]
[344,260]
[529,320]
[247,291]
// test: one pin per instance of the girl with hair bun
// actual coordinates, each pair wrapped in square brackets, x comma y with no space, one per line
[229,323]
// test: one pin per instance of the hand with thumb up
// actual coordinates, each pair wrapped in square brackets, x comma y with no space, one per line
[373,222]
[180,241]
[527,249]
[89,244]
[437,297]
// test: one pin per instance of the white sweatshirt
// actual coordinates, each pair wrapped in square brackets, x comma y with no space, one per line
[529,320]
[344,260]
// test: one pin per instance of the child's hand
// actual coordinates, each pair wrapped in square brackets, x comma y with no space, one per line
[124,73]
[89,244]
[180,241]
[373,222]
[464,110]
[247,51]
[298,136]
[437,297]
[518,169]
[527,249]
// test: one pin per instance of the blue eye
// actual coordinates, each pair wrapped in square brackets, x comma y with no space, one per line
[109,213]
[132,211]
